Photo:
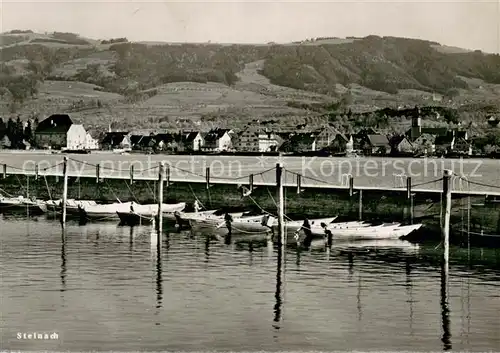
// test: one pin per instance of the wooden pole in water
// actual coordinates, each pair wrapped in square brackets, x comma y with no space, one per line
[281,204]
[250,182]
[468,223]
[97,173]
[36,171]
[5,171]
[65,191]
[360,205]
[299,183]
[207,177]
[167,175]
[447,213]
[160,197]
[131,174]
[351,185]
[409,197]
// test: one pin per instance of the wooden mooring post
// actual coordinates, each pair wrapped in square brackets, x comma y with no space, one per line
[4,171]
[250,182]
[131,175]
[160,198]
[281,204]
[167,175]
[207,177]
[98,173]
[446,214]
[360,206]
[409,197]
[65,191]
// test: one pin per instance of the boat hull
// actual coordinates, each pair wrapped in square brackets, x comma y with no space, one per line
[16,205]
[133,219]
[111,211]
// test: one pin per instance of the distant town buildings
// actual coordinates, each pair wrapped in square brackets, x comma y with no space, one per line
[59,131]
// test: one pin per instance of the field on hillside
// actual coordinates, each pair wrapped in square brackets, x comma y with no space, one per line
[157,84]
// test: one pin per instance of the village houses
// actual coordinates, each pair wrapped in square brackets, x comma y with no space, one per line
[252,139]
[59,132]
[401,145]
[218,140]
[299,143]
[444,140]
[117,140]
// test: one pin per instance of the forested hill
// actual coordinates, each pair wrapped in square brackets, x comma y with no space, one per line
[380,63]
[326,67]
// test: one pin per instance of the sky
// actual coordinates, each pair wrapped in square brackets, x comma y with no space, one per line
[473,24]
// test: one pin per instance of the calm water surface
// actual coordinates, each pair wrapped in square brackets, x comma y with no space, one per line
[103,287]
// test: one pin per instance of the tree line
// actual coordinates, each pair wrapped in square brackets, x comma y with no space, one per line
[14,133]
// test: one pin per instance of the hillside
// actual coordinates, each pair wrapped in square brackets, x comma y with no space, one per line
[165,85]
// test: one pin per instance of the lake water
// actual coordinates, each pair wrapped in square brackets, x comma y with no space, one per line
[103,287]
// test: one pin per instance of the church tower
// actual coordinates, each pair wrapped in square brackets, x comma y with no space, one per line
[416,125]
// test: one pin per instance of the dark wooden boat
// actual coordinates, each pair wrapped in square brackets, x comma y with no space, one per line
[134,219]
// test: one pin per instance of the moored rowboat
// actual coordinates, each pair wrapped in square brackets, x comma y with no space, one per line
[20,203]
[266,223]
[110,211]
[145,214]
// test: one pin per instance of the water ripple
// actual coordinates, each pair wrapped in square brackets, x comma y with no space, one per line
[103,287]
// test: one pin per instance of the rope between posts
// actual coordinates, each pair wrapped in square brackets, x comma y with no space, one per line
[17,168]
[95,165]
[427,182]
[188,172]
[481,184]
[245,176]
[306,177]
[145,170]
[51,167]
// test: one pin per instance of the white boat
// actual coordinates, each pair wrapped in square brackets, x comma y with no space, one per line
[293,226]
[20,203]
[252,224]
[72,205]
[208,218]
[264,223]
[111,211]
[145,214]
[384,231]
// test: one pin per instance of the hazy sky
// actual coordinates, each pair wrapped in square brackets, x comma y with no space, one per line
[471,24]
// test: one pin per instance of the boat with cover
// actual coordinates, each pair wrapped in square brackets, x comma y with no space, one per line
[72,206]
[145,214]
[20,203]
[266,223]
[206,217]
[110,211]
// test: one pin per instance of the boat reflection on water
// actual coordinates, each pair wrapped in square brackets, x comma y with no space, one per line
[395,245]
[279,294]
[445,308]
[63,261]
